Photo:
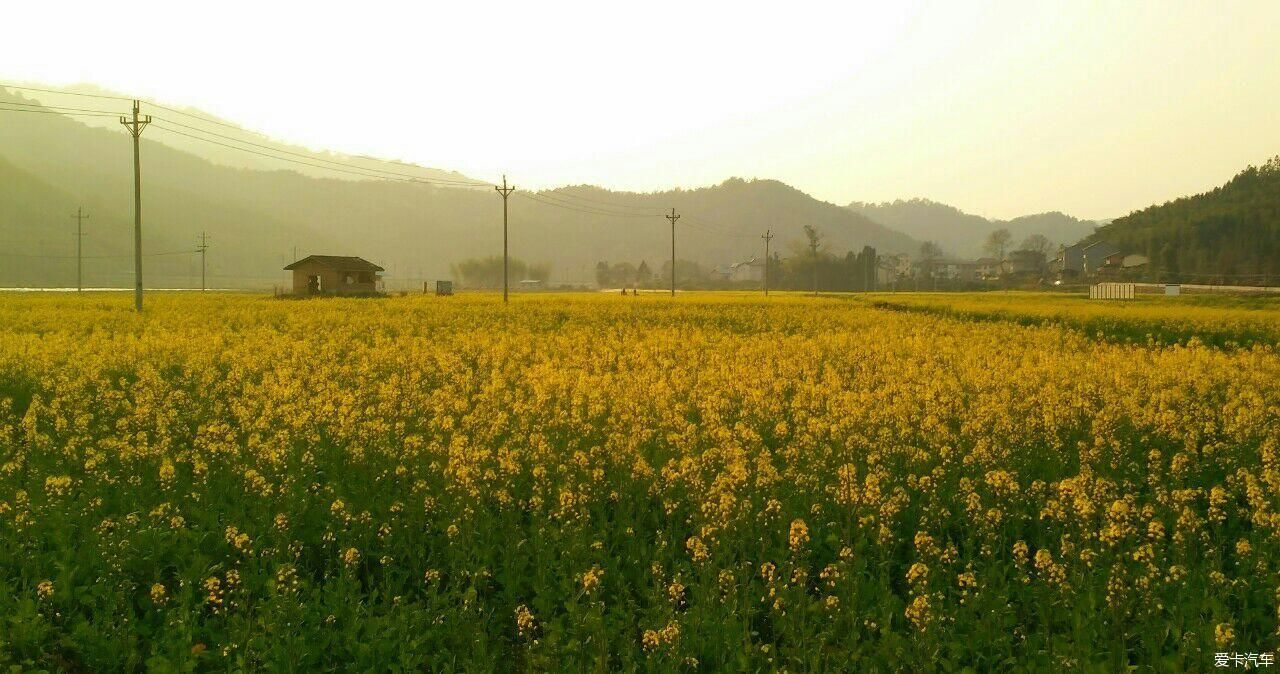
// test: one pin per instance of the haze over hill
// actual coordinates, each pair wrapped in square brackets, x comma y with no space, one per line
[50,164]
[961,233]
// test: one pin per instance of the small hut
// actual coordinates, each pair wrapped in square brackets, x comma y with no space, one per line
[334,275]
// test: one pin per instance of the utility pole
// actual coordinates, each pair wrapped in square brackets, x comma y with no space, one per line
[80,218]
[673,217]
[202,247]
[505,191]
[767,236]
[135,127]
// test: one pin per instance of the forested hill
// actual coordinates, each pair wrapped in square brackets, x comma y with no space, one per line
[1229,235]
[51,164]
[961,233]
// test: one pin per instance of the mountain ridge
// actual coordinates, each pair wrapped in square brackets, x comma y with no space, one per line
[960,233]
[257,217]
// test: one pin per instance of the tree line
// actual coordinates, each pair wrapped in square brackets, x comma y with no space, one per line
[1228,235]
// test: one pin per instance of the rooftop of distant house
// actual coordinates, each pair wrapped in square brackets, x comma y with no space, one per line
[336,263]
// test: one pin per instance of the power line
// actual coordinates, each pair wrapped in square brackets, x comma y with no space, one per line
[543,199]
[363,172]
[717,228]
[559,199]
[562,193]
[312,157]
[469,183]
[97,257]
[370,172]
[59,107]
[204,119]
[57,112]
[284,159]
[68,93]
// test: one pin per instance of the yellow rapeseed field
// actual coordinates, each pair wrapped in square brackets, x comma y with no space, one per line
[572,482]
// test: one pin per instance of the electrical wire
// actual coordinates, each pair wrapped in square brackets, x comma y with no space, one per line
[557,198]
[564,193]
[59,112]
[99,257]
[68,93]
[58,107]
[442,181]
[544,198]
[358,172]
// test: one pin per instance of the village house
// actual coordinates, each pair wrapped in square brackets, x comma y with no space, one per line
[749,270]
[1094,256]
[987,268]
[334,275]
[1084,260]
[1024,263]
[1070,261]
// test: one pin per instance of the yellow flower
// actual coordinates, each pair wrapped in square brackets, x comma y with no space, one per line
[351,556]
[799,534]
[1020,551]
[591,579]
[214,593]
[1224,635]
[920,612]
[524,620]
[697,550]
[675,592]
[159,596]
[917,574]
[44,589]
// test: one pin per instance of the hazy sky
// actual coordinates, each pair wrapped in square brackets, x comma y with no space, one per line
[999,108]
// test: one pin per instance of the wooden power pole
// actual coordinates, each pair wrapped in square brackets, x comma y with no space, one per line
[80,217]
[505,191]
[202,247]
[135,127]
[673,217]
[767,236]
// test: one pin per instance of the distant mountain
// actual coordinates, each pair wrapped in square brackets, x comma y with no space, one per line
[1230,234]
[50,164]
[961,233]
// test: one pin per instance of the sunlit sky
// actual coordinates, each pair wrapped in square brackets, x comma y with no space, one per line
[999,108]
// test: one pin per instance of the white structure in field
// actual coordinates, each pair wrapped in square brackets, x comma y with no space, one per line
[1111,291]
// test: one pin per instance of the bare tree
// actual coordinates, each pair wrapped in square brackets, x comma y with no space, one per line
[814,238]
[996,243]
[1038,243]
[929,254]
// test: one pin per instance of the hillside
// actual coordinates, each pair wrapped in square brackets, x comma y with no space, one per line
[256,217]
[202,122]
[1230,234]
[961,233]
